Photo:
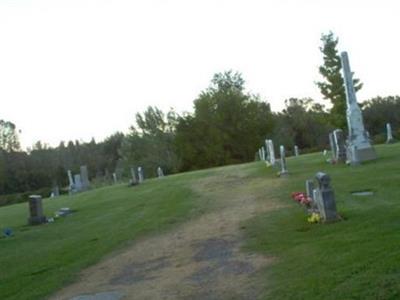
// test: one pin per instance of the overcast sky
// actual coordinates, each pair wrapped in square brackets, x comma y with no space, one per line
[82,69]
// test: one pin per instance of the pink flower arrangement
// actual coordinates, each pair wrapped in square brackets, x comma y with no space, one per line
[301,198]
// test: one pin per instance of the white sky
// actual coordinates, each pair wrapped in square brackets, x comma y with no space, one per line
[82,69]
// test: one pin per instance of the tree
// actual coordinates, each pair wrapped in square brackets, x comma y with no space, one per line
[9,140]
[332,88]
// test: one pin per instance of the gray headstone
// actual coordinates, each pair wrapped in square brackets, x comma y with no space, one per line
[140,174]
[267,154]
[360,148]
[36,210]
[325,197]
[134,178]
[284,170]
[114,175]
[296,150]
[78,182]
[271,151]
[85,178]
[333,146]
[389,134]
[340,144]
[160,172]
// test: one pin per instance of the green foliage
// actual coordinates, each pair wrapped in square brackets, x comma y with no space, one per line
[332,88]
[226,127]
[9,140]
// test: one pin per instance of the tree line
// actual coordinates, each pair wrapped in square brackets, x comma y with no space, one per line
[227,126]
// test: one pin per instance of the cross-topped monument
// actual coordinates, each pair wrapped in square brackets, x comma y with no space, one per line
[359,148]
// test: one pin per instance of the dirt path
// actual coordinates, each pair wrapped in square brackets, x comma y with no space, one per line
[201,259]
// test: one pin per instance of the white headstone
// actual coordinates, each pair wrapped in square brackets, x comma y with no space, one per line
[140,174]
[296,150]
[340,151]
[284,170]
[85,177]
[160,172]
[360,148]
[114,175]
[271,152]
[78,182]
[389,134]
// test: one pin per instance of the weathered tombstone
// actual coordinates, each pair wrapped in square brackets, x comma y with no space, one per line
[389,134]
[36,210]
[160,172]
[296,150]
[284,170]
[140,174]
[271,151]
[56,191]
[325,197]
[262,153]
[267,154]
[114,175]
[310,193]
[84,178]
[333,146]
[340,151]
[71,187]
[134,178]
[359,146]
[78,182]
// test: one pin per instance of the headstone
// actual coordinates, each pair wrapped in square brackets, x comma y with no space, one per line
[85,178]
[262,153]
[271,151]
[267,154]
[333,146]
[36,210]
[310,193]
[160,172]
[359,146]
[140,174]
[284,170]
[340,151]
[134,178]
[114,175]
[78,182]
[389,138]
[325,197]
[71,187]
[296,150]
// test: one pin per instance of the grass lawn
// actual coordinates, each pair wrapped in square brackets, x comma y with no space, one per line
[40,259]
[358,258]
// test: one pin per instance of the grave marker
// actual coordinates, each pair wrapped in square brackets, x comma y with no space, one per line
[36,216]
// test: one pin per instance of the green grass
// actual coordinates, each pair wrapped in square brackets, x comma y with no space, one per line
[358,258]
[40,259]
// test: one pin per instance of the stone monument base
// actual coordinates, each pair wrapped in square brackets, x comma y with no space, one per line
[37,220]
[357,156]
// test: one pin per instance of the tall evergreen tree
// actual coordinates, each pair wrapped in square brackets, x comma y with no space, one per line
[332,88]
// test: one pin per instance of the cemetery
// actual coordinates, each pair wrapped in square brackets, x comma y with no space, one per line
[232,200]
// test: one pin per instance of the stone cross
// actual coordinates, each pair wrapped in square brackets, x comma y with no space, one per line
[284,170]
[340,151]
[140,174]
[296,150]
[85,177]
[325,197]
[359,147]
[36,216]
[389,134]
[160,172]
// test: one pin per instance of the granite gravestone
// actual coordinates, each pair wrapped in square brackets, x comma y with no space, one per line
[389,134]
[84,177]
[267,154]
[160,172]
[325,198]
[140,174]
[36,216]
[78,182]
[333,147]
[340,151]
[271,151]
[359,148]
[284,170]
[296,150]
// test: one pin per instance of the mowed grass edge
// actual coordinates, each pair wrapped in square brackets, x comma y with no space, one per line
[38,260]
[357,258]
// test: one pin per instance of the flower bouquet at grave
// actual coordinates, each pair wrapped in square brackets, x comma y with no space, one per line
[302,198]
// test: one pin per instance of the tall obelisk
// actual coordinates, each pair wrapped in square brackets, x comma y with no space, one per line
[359,147]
